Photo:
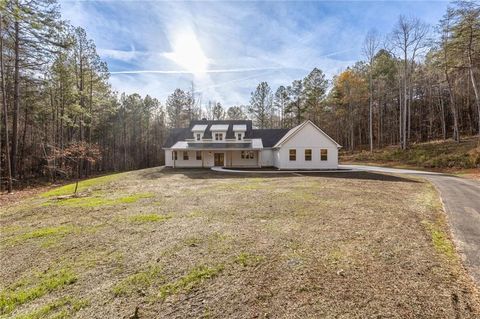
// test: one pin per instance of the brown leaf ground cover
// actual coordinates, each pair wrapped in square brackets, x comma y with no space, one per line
[165,243]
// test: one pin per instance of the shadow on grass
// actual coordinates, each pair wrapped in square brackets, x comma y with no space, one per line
[206,173]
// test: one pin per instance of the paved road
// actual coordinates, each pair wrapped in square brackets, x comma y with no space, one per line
[461,198]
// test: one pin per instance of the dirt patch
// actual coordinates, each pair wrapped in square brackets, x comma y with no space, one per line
[207,244]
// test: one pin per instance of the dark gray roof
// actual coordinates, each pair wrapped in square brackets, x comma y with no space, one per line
[177,134]
[230,123]
[220,145]
[269,136]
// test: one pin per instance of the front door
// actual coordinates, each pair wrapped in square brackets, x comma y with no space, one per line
[218,159]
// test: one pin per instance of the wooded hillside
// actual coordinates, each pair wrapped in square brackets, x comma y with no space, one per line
[60,117]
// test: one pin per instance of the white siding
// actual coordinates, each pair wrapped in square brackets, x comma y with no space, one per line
[276,158]
[308,138]
[238,161]
[191,162]
[168,158]
[267,157]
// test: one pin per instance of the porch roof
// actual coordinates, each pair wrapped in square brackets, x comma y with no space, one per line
[216,146]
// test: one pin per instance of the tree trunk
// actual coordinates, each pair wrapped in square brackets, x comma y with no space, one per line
[8,167]
[16,98]
[370,110]
[405,98]
[442,117]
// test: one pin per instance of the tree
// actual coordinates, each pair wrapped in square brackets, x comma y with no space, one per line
[218,111]
[296,108]
[466,34]
[280,102]
[314,88]
[236,113]
[176,105]
[261,105]
[5,116]
[408,38]
[34,26]
[351,92]
[370,47]
[447,61]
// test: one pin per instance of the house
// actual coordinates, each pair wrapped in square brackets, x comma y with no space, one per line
[237,144]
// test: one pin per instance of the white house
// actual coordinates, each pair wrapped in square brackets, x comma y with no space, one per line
[237,144]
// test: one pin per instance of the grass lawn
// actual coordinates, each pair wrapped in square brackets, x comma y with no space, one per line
[168,243]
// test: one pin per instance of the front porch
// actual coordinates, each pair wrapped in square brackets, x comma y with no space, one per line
[220,157]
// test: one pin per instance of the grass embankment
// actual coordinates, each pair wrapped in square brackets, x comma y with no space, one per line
[199,244]
[439,155]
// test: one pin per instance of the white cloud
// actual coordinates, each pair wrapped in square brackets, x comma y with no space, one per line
[234,45]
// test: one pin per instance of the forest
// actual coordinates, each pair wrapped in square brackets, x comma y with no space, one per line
[60,117]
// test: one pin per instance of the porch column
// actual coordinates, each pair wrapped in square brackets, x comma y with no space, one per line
[259,158]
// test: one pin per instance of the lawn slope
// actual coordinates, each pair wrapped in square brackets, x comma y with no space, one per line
[439,155]
[166,243]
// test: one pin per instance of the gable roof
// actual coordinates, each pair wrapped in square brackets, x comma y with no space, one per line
[269,136]
[297,129]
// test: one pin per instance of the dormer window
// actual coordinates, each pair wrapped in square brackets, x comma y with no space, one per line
[218,136]
[198,136]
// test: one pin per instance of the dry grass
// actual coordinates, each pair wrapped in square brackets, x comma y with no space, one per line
[448,156]
[195,243]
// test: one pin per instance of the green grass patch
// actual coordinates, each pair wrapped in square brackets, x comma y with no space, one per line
[82,185]
[247,259]
[61,308]
[34,287]
[96,201]
[134,198]
[440,239]
[301,195]
[138,281]
[193,278]
[148,218]
[54,232]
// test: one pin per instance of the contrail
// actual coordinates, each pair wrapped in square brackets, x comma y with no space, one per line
[234,70]
[238,70]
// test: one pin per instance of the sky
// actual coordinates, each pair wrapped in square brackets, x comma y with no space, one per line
[225,48]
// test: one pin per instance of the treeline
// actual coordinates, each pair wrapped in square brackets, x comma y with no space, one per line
[60,117]
[417,83]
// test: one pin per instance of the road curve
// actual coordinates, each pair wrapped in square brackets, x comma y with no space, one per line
[461,199]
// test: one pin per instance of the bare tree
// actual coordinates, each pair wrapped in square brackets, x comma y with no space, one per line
[5,115]
[409,38]
[370,47]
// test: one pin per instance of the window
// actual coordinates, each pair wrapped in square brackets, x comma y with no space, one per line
[199,156]
[239,136]
[293,155]
[247,155]
[185,156]
[198,137]
[324,155]
[174,155]
[218,137]
[308,155]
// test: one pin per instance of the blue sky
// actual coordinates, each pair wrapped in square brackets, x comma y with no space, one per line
[226,48]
